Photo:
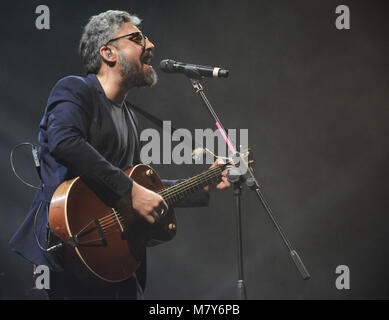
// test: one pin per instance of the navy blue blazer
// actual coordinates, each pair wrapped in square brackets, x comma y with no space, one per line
[77,138]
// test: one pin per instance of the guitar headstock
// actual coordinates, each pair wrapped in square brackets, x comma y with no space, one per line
[245,155]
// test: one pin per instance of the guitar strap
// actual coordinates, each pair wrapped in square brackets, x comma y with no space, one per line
[154,119]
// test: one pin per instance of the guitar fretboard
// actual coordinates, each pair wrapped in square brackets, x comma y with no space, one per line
[185,188]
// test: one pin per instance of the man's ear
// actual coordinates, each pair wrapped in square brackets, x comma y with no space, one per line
[108,55]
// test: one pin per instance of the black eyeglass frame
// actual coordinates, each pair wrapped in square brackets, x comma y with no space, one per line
[131,38]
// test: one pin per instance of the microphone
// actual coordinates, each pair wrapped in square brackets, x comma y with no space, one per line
[192,70]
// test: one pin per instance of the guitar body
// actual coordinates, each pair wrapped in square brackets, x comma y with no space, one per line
[102,244]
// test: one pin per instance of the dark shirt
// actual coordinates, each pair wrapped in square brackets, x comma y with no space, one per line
[125,133]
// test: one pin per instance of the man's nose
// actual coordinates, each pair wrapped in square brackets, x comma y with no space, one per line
[149,45]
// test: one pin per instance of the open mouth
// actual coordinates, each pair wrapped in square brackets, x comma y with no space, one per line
[147,60]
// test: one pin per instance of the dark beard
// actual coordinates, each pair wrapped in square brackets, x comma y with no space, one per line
[132,75]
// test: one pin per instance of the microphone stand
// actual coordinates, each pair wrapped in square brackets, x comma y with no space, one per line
[244,173]
[234,176]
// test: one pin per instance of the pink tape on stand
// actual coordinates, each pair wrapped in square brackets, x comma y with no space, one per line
[226,138]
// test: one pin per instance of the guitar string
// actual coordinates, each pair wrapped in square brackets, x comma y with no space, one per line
[209,176]
[119,221]
[112,223]
[176,188]
[111,220]
[193,179]
[103,219]
[187,187]
[171,195]
[107,221]
[110,228]
[168,194]
[189,183]
[100,224]
[110,216]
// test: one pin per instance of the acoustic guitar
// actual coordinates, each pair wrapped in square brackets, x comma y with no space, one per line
[108,244]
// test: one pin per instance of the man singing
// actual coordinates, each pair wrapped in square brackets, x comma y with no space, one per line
[88,130]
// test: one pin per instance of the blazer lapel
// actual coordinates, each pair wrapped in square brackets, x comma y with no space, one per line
[96,83]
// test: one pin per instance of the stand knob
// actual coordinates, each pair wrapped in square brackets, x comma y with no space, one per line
[172,227]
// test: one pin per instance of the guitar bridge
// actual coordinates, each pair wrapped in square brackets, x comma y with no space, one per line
[93,226]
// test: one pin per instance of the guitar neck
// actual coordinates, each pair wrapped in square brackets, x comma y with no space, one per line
[185,188]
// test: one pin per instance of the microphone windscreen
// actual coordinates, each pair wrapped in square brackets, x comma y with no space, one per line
[223,73]
[167,65]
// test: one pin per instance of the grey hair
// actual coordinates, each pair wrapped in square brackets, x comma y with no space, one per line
[99,30]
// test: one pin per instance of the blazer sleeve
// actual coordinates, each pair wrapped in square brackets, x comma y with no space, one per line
[67,127]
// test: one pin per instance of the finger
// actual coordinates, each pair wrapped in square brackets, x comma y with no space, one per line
[150,219]
[162,204]
[220,162]
[216,163]
[165,205]
[161,210]
[223,186]
[157,215]
[153,213]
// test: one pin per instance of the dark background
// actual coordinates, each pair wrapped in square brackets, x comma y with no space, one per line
[313,98]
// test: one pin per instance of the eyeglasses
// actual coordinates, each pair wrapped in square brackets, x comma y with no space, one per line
[136,37]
